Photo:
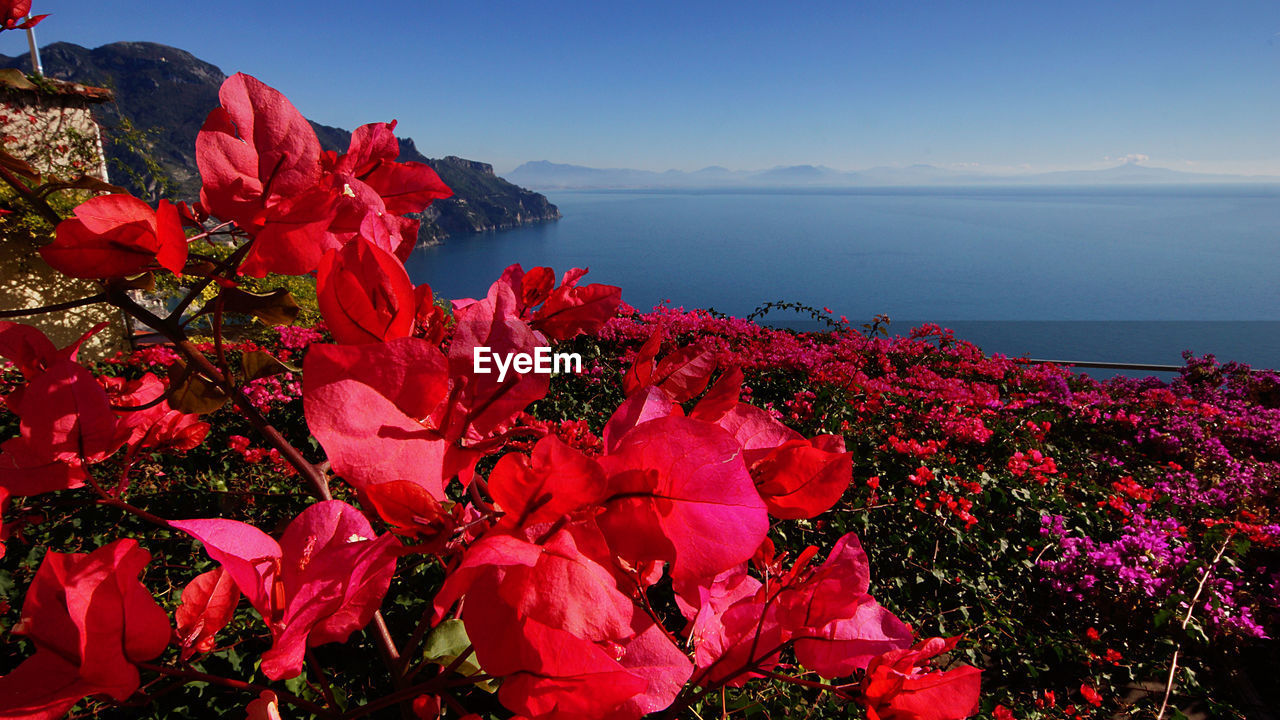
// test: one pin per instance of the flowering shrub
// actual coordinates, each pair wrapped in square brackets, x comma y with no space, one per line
[498,558]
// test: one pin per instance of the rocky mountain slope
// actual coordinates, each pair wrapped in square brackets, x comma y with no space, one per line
[162,95]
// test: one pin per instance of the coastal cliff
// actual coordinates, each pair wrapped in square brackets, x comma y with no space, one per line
[162,95]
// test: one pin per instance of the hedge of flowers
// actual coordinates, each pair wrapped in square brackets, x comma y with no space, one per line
[1064,527]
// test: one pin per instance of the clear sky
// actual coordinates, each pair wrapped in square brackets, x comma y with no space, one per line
[1190,84]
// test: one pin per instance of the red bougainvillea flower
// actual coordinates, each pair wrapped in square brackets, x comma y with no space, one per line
[553,624]
[266,707]
[65,420]
[836,627]
[12,11]
[405,187]
[297,231]
[486,404]
[208,602]
[254,150]
[115,236]
[682,374]
[678,492]
[572,310]
[797,477]
[26,347]
[565,311]
[366,405]
[554,481]
[365,294]
[1090,695]
[898,686]
[158,427]
[262,167]
[322,581]
[90,621]
[429,319]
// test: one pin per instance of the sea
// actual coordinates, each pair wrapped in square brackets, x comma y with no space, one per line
[1102,274]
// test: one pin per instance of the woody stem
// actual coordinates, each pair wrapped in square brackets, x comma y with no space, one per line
[169,329]
[196,675]
[23,312]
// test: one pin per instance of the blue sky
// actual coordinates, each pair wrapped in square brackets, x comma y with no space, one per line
[658,85]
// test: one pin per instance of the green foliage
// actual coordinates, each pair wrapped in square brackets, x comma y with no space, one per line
[131,151]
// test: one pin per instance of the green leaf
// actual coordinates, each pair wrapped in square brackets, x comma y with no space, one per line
[448,640]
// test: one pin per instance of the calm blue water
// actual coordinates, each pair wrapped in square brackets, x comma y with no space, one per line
[1120,274]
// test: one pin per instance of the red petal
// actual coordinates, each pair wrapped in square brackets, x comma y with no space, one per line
[685,372]
[256,142]
[407,187]
[721,398]
[556,480]
[365,294]
[208,603]
[798,480]
[371,144]
[65,415]
[172,254]
[27,347]
[364,404]
[572,311]
[249,555]
[679,492]
[110,236]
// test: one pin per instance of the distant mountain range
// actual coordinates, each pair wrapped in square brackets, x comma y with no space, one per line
[544,175]
[166,93]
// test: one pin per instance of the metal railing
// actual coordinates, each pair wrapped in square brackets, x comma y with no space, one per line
[1107,365]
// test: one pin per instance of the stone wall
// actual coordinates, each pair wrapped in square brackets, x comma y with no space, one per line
[48,124]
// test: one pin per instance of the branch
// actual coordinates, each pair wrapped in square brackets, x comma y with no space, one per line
[22,312]
[232,261]
[1173,666]
[169,329]
[196,675]
[36,202]
[105,498]
[435,684]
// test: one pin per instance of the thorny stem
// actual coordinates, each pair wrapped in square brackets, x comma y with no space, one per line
[168,328]
[411,645]
[218,350]
[230,263]
[320,677]
[33,199]
[390,657]
[144,406]
[105,498]
[801,681]
[648,608]
[435,684]
[207,233]
[196,675]
[23,312]
[1173,666]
